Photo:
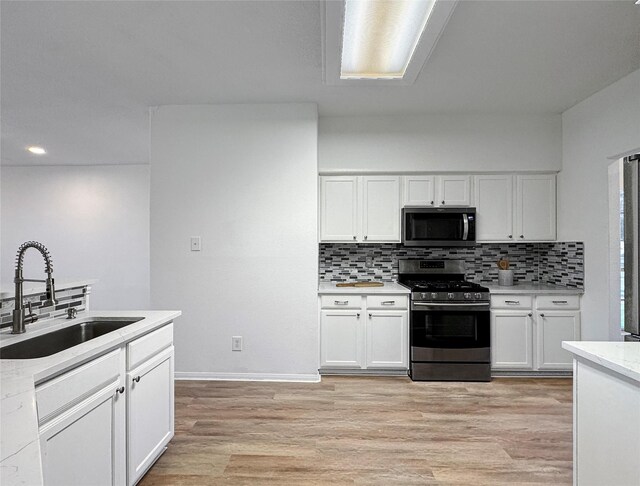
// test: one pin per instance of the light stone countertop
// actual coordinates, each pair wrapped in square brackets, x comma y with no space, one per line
[38,288]
[19,439]
[620,357]
[389,288]
[525,288]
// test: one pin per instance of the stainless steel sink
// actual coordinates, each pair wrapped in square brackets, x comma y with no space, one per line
[56,341]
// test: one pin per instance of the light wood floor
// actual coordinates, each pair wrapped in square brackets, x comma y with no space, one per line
[371,430]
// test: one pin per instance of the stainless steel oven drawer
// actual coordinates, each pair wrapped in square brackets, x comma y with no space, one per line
[451,371]
[477,355]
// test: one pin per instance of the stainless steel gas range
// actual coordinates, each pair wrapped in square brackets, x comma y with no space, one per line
[450,337]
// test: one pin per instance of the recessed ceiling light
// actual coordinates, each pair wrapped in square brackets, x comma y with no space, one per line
[380,36]
[34,149]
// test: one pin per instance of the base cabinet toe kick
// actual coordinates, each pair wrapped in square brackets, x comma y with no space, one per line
[107,421]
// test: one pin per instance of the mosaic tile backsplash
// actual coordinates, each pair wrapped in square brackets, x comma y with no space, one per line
[558,263]
[74,297]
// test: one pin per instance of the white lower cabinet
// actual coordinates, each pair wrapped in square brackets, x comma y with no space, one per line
[373,335]
[387,339]
[527,332]
[553,327]
[341,339]
[85,444]
[100,424]
[512,340]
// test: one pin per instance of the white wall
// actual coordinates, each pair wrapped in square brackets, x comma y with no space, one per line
[604,125]
[441,143]
[244,178]
[93,219]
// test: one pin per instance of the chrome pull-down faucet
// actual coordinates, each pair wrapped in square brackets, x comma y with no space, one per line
[19,317]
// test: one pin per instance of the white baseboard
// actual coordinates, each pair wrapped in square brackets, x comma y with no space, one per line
[213,376]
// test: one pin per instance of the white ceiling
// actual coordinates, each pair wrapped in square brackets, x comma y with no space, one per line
[78,77]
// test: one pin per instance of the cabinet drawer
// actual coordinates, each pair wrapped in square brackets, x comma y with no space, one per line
[387,302]
[353,301]
[148,345]
[54,396]
[511,301]
[558,302]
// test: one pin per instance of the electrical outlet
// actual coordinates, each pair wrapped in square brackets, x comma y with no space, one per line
[236,343]
[196,243]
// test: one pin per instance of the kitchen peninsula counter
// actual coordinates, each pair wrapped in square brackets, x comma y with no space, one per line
[19,438]
[606,412]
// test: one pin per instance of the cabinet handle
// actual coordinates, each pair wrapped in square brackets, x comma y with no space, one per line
[354,238]
[510,236]
[388,302]
[512,302]
[521,236]
[120,390]
[365,237]
[530,314]
[340,302]
[370,315]
[432,202]
[560,302]
[358,315]
[542,315]
[443,202]
[137,379]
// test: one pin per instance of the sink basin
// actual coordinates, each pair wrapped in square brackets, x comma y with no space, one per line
[56,341]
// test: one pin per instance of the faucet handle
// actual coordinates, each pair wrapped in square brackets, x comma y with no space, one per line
[72,312]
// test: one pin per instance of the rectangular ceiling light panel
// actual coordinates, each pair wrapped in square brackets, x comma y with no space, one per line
[380,36]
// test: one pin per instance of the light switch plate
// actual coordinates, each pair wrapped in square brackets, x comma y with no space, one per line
[196,243]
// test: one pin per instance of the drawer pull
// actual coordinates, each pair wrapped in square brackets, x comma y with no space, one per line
[388,302]
[512,302]
[137,379]
[340,302]
[560,302]
[530,314]
[358,315]
[542,315]
[120,390]
[370,315]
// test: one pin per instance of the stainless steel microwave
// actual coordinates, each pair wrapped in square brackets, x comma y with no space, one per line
[439,226]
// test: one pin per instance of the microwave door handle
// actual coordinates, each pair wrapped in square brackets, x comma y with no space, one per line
[465,226]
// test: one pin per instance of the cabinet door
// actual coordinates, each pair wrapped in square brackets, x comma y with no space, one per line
[381,209]
[338,208]
[454,190]
[536,207]
[511,340]
[418,190]
[494,207]
[387,339]
[341,339]
[86,444]
[553,327]
[150,412]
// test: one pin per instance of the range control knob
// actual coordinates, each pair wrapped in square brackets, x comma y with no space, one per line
[478,295]
[423,295]
[434,295]
[467,295]
[450,295]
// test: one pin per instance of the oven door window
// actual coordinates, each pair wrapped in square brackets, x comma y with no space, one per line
[434,226]
[450,329]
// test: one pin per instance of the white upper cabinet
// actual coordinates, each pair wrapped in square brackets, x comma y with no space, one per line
[494,207]
[438,191]
[360,208]
[454,190]
[536,207]
[418,190]
[515,208]
[381,208]
[339,208]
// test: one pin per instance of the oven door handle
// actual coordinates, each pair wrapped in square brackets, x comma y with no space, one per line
[465,226]
[451,304]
